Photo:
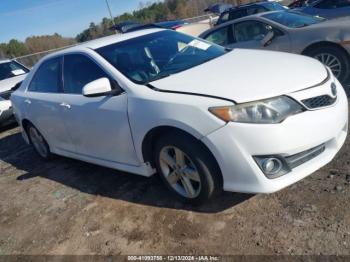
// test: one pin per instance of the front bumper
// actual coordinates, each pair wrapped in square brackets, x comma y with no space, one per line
[235,144]
[5,110]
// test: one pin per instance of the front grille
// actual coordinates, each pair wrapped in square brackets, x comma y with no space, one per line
[6,95]
[301,158]
[319,101]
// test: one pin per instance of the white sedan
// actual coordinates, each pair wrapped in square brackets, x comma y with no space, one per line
[204,118]
[11,74]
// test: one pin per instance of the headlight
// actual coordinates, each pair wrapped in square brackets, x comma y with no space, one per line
[269,111]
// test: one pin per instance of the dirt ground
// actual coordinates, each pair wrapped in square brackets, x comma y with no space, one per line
[70,207]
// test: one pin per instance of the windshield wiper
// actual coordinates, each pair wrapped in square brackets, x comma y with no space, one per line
[157,77]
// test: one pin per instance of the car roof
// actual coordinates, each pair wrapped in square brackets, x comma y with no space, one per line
[4,61]
[104,41]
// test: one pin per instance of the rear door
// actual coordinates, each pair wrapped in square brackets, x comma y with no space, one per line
[43,105]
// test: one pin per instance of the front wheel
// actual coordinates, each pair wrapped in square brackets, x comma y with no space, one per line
[187,168]
[335,58]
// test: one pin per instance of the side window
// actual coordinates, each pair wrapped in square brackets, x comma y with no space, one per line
[78,71]
[326,4]
[238,14]
[255,10]
[250,31]
[343,3]
[219,37]
[47,78]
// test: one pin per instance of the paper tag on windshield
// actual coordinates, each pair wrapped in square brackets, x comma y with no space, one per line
[199,44]
[18,72]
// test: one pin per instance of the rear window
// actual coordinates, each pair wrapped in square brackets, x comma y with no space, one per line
[11,69]
[238,14]
[223,18]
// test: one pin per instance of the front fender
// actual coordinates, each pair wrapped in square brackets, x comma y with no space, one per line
[188,113]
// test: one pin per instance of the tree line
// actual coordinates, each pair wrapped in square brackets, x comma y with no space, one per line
[149,12]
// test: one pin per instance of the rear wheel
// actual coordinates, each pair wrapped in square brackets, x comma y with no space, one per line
[335,58]
[39,143]
[187,168]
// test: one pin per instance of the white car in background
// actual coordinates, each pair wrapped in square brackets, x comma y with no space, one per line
[204,118]
[12,73]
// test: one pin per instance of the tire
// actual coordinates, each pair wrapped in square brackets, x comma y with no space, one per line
[38,142]
[180,160]
[335,56]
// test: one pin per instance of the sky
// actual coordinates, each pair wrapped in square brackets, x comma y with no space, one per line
[22,18]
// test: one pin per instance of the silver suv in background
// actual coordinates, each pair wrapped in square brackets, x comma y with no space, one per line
[293,32]
[12,74]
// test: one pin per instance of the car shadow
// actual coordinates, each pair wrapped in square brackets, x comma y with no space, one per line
[8,126]
[102,181]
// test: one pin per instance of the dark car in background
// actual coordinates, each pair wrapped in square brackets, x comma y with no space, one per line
[327,8]
[300,3]
[173,24]
[249,9]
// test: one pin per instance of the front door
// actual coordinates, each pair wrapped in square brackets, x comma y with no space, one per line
[99,126]
[250,33]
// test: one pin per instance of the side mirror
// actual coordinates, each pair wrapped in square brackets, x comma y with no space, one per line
[18,85]
[268,38]
[99,87]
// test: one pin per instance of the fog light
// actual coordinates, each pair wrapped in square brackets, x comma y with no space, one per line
[272,166]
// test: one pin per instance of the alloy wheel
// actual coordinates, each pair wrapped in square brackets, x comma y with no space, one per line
[38,142]
[331,61]
[180,172]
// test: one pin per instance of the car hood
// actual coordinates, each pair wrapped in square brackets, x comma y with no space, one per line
[246,75]
[7,84]
[338,23]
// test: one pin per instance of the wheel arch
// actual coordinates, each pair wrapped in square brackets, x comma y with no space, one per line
[25,123]
[148,143]
[324,44]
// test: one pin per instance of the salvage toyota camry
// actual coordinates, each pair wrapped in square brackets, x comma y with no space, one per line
[204,118]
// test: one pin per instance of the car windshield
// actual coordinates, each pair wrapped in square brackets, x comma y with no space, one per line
[293,19]
[11,69]
[154,56]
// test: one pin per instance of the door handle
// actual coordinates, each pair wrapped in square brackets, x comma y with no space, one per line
[27,101]
[65,105]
